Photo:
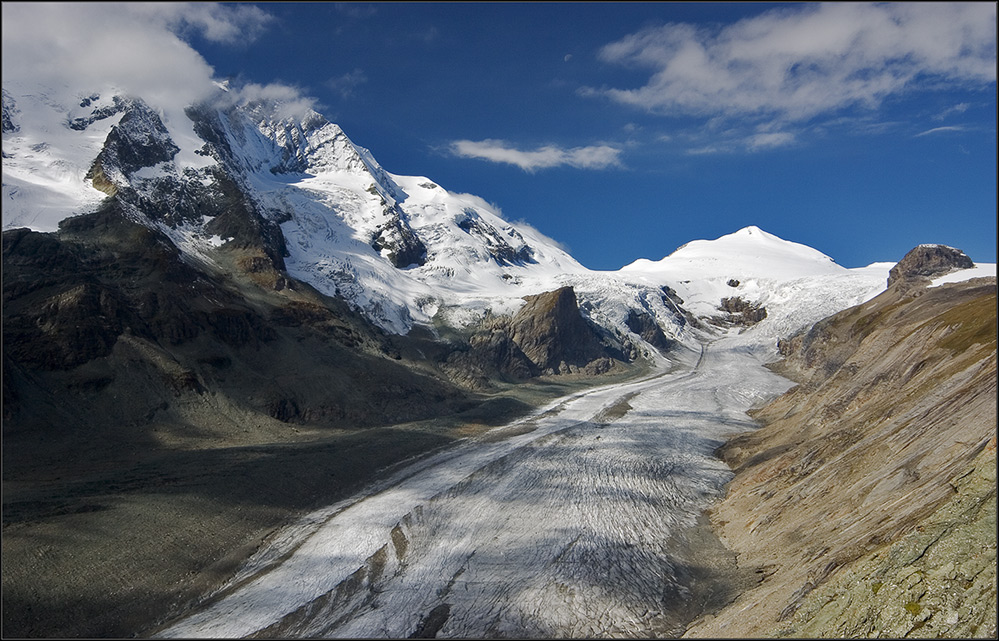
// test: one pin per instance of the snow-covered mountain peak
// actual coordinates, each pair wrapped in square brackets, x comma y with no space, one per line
[747,253]
[781,285]
[304,143]
[403,250]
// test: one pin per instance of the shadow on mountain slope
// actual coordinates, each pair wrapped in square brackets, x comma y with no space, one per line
[162,417]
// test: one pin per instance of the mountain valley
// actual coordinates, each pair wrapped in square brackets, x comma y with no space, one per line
[236,349]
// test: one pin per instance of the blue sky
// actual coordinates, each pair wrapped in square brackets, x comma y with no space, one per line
[624,130]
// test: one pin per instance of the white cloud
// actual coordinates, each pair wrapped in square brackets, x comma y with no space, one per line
[959,108]
[130,47]
[771,140]
[92,47]
[937,130]
[592,157]
[796,62]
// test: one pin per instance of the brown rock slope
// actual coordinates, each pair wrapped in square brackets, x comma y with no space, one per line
[548,336]
[867,504]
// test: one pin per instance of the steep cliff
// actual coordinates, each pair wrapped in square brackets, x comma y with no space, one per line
[547,336]
[867,503]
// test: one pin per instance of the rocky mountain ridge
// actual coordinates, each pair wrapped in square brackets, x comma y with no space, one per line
[867,503]
[279,193]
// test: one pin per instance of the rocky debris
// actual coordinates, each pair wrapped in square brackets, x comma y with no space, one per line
[732,282]
[432,623]
[938,580]
[739,312]
[867,501]
[927,261]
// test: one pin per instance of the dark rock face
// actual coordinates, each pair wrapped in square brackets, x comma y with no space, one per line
[548,336]
[117,106]
[138,140]
[740,312]
[400,243]
[927,261]
[646,326]
[73,298]
[9,113]
[553,334]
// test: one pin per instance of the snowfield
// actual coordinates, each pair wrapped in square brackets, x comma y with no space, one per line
[980,270]
[560,524]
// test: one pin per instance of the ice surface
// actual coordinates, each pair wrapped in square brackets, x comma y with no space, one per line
[562,528]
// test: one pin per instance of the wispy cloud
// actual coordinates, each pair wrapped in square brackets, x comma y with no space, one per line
[770,140]
[734,141]
[591,157]
[937,130]
[959,108]
[347,83]
[796,62]
[285,100]
[228,23]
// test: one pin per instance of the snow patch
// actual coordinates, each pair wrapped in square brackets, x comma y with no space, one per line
[980,270]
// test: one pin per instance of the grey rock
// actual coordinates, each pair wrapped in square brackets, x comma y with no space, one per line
[927,261]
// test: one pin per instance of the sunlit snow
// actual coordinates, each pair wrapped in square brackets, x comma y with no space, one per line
[980,270]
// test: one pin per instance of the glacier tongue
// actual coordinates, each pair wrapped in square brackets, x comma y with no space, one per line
[566,524]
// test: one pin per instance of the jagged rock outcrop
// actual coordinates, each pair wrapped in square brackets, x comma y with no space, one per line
[552,333]
[927,261]
[138,140]
[397,241]
[646,326]
[506,248]
[8,114]
[547,336]
[867,503]
[739,312]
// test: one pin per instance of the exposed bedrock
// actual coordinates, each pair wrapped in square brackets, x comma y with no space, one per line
[927,261]
[867,503]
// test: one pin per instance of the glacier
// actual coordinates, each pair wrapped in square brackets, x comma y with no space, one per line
[568,523]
